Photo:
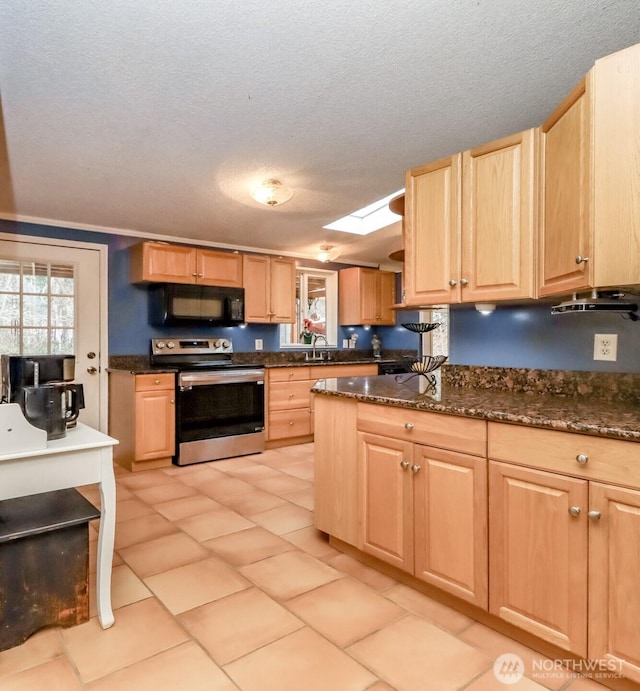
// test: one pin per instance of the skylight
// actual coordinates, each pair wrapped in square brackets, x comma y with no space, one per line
[367,219]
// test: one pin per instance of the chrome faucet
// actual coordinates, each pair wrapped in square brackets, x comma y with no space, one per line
[314,341]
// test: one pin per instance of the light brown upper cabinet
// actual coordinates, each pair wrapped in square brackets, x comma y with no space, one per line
[366,296]
[590,193]
[499,214]
[470,224]
[160,262]
[432,231]
[269,289]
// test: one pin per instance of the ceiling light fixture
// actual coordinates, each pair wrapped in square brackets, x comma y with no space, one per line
[485,307]
[272,193]
[327,253]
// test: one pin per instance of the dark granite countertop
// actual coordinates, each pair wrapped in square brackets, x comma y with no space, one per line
[582,414]
[313,363]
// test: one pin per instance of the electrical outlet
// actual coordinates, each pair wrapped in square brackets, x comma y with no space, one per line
[258,344]
[345,342]
[605,347]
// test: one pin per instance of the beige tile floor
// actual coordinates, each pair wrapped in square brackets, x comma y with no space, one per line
[221,582]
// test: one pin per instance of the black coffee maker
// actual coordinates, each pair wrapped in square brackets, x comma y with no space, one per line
[41,385]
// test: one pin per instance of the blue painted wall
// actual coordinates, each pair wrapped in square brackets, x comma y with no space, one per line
[129,330]
[533,337]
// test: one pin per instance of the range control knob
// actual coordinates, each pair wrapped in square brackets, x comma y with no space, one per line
[222,343]
[217,343]
[171,344]
[159,345]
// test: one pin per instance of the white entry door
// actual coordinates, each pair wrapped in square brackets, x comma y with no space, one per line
[50,302]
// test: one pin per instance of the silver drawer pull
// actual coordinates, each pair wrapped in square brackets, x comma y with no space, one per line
[416,468]
[408,425]
[453,282]
[581,260]
[595,515]
[405,464]
[582,458]
[574,510]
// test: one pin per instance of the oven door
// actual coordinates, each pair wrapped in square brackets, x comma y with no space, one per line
[219,415]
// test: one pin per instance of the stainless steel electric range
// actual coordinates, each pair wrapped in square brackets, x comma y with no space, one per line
[219,405]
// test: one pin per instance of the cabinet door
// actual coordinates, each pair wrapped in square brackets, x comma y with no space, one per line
[432,233]
[219,268]
[614,564]
[386,298]
[154,261]
[386,499]
[498,212]
[283,290]
[565,208]
[450,507]
[369,293]
[616,168]
[257,281]
[538,553]
[155,424]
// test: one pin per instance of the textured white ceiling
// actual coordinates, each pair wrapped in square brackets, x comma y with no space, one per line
[157,117]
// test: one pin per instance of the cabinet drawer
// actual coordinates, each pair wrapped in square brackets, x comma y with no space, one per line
[433,429]
[289,373]
[608,460]
[285,395]
[290,423]
[328,371]
[150,382]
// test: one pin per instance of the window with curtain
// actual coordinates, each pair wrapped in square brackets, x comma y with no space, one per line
[37,307]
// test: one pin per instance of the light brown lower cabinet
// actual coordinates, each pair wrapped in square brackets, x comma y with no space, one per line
[424,510]
[290,404]
[142,418]
[562,510]
[538,553]
[565,549]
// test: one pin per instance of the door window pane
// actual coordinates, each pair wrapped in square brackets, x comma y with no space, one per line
[37,307]
[9,340]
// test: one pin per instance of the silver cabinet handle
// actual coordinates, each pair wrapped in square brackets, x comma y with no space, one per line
[416,468]
[574,510]
[582,458]
[91,355]
[194,274]
[92,370]
[463,281]
[595,515]
[581,260]
[453,282]
[405,464]
[408,425]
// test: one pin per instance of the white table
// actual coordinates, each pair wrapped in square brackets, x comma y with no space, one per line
[83,457]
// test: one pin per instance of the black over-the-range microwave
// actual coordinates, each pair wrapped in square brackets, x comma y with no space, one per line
[180,304]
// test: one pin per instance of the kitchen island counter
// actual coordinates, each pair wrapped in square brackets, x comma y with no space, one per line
[581,414]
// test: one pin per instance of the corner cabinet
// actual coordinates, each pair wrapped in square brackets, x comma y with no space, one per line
[470,222]
[269,289]
[590,201]
[161,262]
[142,419]
[366,296]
